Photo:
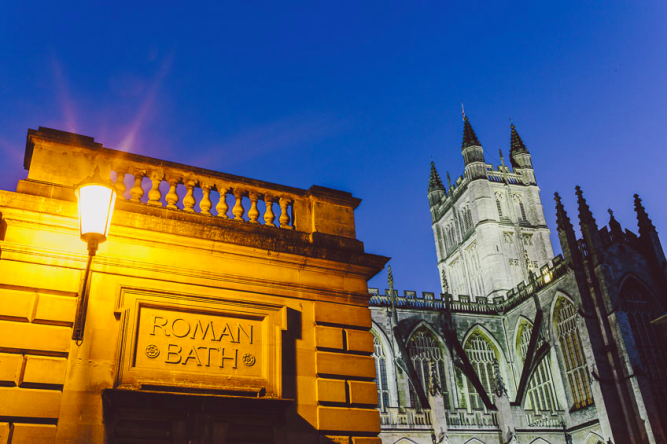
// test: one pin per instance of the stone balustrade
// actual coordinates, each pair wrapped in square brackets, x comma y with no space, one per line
[57,160]
[408,418]
[542,419]
[461,418]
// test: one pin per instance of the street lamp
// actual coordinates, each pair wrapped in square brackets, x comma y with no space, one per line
[96,198]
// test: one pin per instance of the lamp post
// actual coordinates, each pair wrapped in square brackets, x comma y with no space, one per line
[96,198]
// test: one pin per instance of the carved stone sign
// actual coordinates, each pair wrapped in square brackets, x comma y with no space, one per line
[198,342]
[193,342]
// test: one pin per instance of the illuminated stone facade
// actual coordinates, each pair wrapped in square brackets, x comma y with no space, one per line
[522,346]
[221,309]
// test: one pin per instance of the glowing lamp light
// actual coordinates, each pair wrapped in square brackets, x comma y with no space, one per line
[96,202]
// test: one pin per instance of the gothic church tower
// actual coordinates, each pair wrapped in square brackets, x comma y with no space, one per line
[489,226]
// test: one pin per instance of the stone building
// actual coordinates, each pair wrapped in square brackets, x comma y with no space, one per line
[221,309]
[522,346]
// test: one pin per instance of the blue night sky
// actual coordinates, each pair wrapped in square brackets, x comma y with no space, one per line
[357,96]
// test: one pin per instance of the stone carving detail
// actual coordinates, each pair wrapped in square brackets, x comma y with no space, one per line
[152,351]
[248,359]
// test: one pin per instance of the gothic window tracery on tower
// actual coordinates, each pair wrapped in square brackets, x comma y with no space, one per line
[428,360]
[475,268]
[499,203]
[521,209]
[381,374]
[572,352]
[540,393]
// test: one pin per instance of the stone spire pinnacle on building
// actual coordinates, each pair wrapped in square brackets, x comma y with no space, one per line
[585,215]
[614,226]
[434,182]
[516,144]
[469,136]
[644,222]
[562,219]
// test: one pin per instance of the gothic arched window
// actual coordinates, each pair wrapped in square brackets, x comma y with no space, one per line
[638,306]
[540,393]
[428,361]
[500,199]
[483,356]
[569,338]
[381,372]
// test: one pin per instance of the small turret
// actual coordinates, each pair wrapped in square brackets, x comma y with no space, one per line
[520,157]
[614,226]
[568,239]
[648,237]
[589,228]
[473,154]
[435,188]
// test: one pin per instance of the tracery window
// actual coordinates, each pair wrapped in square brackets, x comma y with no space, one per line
[428,361]
[569,338]
[475,270]
[499,206]
[638,306]
[540,393]
[483,356]
[381,372]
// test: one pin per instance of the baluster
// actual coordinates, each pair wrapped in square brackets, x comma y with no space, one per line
[189,200]
[137,192]
[154,195]
[269,217]
[172,196]
[238,206]
[120,184]
[253,213]
[284,216]
[222,206]
[205,203]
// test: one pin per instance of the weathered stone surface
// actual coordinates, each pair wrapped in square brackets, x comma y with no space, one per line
[10,368]
[29,403]
[363,392]
[345,365]
[329,337]
[348,419]
[331,390]
[34,434]
[44,370]
[359,341]
[22,336]
[342,315]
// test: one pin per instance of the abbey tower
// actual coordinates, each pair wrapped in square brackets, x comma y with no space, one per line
[489,225]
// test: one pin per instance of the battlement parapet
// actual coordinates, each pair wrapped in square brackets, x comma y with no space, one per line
[463,303]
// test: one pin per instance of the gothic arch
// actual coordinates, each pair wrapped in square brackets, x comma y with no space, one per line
[427,357]
[630,279]
[385,343]
[405,441]
[484,367]
[569,340]
[474,441]
[430,328]
[593,438]
[559,294]
[539,441]
[515,338]
[486,333]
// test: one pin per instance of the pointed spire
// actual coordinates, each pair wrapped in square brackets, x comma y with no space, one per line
[516,144]
[434,182]
[645,224]
[585,215]
[469,136]
[562,219]
[614,226]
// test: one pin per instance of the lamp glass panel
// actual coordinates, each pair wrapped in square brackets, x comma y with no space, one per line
[96,204]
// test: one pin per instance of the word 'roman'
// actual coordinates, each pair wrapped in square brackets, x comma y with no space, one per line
[215,331]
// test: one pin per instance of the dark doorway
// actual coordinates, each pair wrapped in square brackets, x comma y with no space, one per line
[139,417]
